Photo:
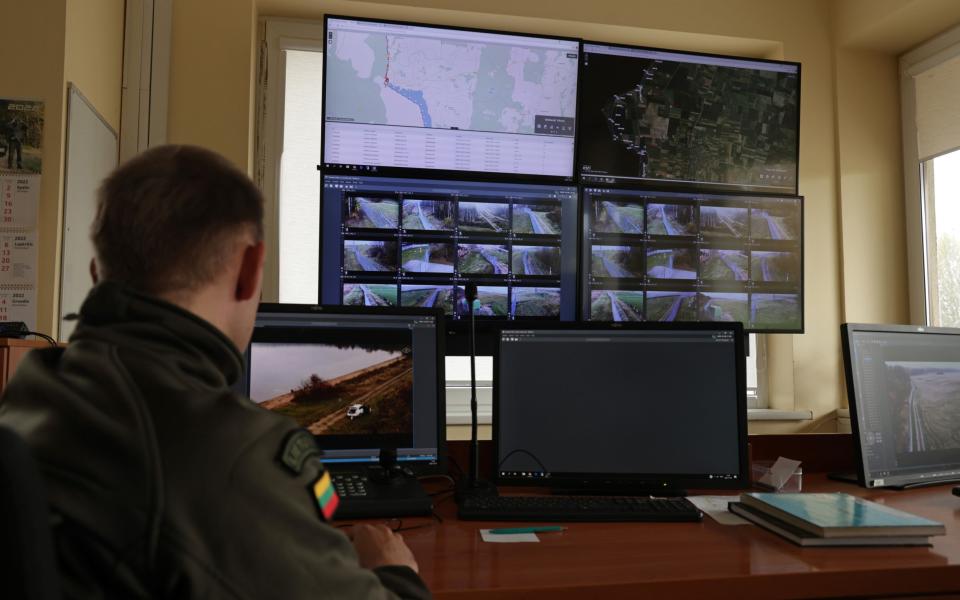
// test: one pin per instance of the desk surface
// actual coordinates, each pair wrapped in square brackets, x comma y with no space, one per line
[688,560]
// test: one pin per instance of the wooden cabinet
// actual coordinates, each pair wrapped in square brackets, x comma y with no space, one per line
[12,351]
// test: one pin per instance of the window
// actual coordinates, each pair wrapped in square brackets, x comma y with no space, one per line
[288,152]
[940,178]
[930,101]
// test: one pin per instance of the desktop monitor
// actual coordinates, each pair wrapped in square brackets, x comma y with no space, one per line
[678,256]
[903,385]
[697,121]
[359,379]
[418,242]
[403,98]
[621,408]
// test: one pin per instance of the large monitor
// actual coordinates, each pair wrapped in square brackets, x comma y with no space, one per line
[676,119]
[417,242]
[671,256]
[359,379]
[903,385]
[406,98]
[621,408]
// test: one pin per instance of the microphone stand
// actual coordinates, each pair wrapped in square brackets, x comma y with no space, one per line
[472,485]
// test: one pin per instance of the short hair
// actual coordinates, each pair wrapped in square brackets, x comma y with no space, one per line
[168,219]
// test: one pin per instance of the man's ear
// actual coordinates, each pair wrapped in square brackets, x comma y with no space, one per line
[93,271]
[251,271]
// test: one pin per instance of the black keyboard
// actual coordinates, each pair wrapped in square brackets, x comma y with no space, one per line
[578,508]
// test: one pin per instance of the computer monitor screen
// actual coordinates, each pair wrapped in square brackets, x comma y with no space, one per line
[668,118]
[417,242]
[659,406]
[401,97]
[358,379]
[903,384]
[670,256]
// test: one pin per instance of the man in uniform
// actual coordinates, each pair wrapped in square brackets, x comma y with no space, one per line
[163,482]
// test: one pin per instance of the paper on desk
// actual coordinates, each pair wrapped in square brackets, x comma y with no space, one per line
[780,472]
[507,538]
[716,507]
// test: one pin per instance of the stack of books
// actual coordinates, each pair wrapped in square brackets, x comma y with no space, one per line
[835,520]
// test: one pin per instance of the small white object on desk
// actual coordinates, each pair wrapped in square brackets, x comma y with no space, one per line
[781,471]
[507,538]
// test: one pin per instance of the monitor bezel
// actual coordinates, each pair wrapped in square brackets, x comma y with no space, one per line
[571,179]
[437,467]
[640,482]
[583,286]
[847,331]
[677,186]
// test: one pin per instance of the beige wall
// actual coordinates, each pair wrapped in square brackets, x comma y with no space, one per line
[45,45]
[93,53]
[32,45]
[212,76]
[849,157]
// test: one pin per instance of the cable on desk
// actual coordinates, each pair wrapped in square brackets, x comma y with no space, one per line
[523,451]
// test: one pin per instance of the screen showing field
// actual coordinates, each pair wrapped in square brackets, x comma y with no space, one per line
[636,402]
[418,242]
[668,256]
[417,97]
[357,382]
[907,387]
[671,118]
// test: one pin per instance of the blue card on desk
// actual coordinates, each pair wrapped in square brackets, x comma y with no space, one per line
[841,515]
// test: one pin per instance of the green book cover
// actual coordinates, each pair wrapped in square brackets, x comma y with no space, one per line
[833,515]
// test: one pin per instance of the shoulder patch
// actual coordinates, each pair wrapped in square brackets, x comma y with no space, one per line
[325,496]
[298,448]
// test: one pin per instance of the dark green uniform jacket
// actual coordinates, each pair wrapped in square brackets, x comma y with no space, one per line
[164,481]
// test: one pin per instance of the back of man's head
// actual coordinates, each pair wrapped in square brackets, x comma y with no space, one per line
[169,219]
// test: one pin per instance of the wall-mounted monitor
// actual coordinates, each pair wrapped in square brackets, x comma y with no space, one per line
[402,98]
[670,256]
[418,242]
[668,119]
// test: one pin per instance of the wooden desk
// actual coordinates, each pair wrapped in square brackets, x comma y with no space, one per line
[689,560]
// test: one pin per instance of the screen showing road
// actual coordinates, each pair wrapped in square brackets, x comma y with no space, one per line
[667,256]
[906,402]
[417,242]
[359,382]
[416,97]
[671,118]
[619,402]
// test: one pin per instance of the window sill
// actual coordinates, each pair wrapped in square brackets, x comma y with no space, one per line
[773,414]
[458,408]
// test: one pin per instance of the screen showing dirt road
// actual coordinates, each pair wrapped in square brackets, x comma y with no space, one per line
[358,381]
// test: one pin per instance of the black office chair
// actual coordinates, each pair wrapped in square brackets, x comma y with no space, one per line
[28,566]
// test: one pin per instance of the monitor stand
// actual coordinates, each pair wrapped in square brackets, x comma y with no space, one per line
[388,490]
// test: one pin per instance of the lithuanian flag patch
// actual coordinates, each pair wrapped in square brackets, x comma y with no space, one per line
[325,496]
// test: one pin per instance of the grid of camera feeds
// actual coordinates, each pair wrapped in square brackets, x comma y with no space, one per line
[660,256]
[419,250]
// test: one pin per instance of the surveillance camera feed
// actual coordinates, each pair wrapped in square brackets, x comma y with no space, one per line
[671,256]
[672,118]
[348,383]
[906,402]
[417,243]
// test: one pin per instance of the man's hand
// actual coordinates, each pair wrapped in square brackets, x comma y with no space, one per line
[377,546]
